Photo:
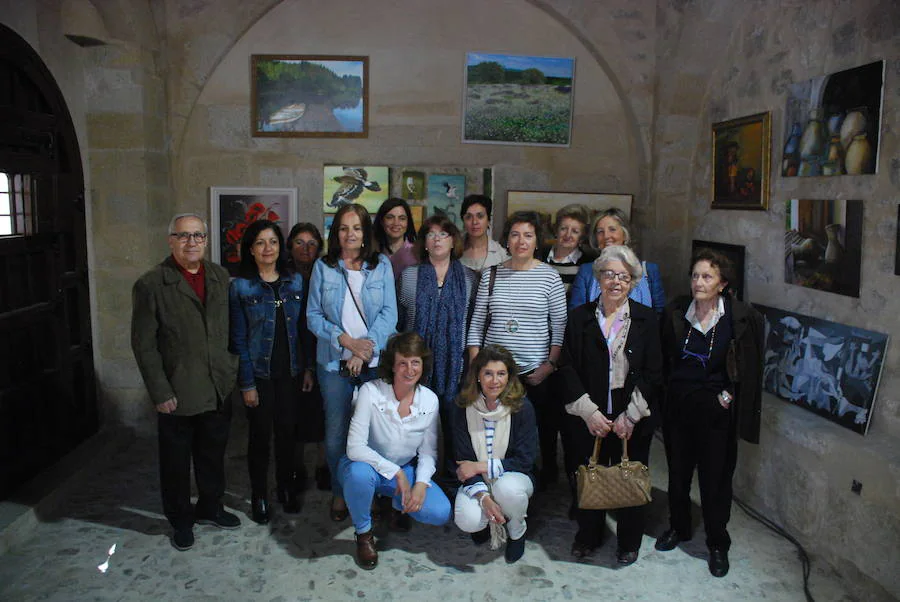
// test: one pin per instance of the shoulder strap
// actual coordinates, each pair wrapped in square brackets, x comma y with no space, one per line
[487,319]
[352,296]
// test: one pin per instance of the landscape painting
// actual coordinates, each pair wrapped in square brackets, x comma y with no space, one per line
[827,368]
[513,99]
[310,96]
[823,245]
[445,196]
[343,185]
[833,123]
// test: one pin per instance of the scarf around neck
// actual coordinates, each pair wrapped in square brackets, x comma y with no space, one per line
[476,414]
[440,319]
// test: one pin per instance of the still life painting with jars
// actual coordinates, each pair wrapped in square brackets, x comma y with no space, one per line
[832,123]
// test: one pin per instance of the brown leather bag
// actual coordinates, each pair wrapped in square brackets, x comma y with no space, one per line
[606,487]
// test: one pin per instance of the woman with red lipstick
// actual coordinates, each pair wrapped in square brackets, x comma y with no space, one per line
[395,234]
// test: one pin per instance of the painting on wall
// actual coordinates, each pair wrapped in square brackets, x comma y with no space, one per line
[309,96]
[445,196]
[833,122]
[827,368]
[735,253]
[343,185]
[233,209]
[823,245]
[512,99]
[897,243]
[412,185]
[418,214]
[546,204]
[740,149]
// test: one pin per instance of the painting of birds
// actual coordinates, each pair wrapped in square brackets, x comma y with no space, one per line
[353,182]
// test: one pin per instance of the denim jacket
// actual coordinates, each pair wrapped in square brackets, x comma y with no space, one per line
[252,308]
[327,290]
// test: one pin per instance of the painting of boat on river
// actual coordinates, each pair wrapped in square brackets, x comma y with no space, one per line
[310,96]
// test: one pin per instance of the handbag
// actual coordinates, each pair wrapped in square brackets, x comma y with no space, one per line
[624,485]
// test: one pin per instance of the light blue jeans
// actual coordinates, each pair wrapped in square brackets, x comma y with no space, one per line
[337,392]
[361,482]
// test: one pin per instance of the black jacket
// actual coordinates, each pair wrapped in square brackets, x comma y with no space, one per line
[744,361]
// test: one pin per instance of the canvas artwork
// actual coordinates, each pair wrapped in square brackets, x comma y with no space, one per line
[309,96]
[233,209]
[513,99]
[343,185]
[833,122]
[823,245]
[827,368]
[548,203]
[741,163]
[445,196]
[412,185]
[735,253]
[897,243]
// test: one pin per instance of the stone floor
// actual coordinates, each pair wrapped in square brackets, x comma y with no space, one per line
[115,502]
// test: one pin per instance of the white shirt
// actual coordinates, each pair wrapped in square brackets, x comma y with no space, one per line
[691,316]
[381,438]
[572,257]
[351,320]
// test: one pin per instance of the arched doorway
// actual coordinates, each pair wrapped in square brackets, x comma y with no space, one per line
[47,393]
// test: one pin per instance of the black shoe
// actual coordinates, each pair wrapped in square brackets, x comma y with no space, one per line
[669,540]
[183,539]
[718,562]
[482,537]
[582,550]
[400,521]
[259,507]
[625,558]
[514,549]
[221,519]
[323,478]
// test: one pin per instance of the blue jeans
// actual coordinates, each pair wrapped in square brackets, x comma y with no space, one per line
[361,482]
[337,391]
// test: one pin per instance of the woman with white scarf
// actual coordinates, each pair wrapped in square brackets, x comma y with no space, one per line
[495,439]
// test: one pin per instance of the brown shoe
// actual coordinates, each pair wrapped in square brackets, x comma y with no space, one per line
[366,554]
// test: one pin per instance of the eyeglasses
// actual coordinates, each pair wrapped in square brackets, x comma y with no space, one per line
[623,277]
[439,235]
[186,236]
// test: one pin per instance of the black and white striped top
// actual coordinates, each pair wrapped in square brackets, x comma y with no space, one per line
[528,313]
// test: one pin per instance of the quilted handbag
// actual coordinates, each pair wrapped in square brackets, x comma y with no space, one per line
[606,487]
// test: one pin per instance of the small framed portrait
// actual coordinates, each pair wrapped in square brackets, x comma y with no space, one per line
[740,158]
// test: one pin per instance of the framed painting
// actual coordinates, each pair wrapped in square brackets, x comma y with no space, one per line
[897,246]
[233,209]
[740,158]
[735,253]
[343,185]
[445,196]
[512,99]
[309,96]
[412,185]
[823,245]
[827,368]
[832,123]
[546,204]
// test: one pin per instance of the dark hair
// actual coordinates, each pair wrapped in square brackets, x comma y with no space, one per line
[445,224]
[248,268]
[407,344]
[514,392]
[370,256]
[480,199]
[380,235]
[525,217]
[300,228]
[718,261]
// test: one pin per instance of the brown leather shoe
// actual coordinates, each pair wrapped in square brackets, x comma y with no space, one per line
[366,554]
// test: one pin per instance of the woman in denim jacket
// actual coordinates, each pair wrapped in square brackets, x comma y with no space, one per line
[265,303]
[352,310]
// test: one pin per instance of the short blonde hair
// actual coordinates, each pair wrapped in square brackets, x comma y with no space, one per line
[618,215]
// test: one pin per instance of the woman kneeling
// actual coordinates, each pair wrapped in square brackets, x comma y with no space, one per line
[392,445]
[495,438]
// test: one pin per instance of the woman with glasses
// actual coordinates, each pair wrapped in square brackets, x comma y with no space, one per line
[434,301]
[713,347]
[611,227]
[395,234]
[610,380]
[265,302]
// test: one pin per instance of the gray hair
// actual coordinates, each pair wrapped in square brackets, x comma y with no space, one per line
[181,215]
[623,254]
[618,215]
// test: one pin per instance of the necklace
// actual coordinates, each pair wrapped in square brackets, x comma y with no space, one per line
[701,357]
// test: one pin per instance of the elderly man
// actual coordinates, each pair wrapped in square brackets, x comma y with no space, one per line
[179,334]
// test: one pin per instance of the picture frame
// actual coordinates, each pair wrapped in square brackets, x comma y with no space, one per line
[233,209]
[367,185]
[897,244]
[521,100]
[735,253]
[309,96]
[741,159]
[445,196]
[546,204]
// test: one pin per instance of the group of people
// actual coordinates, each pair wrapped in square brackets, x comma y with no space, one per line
[438,363]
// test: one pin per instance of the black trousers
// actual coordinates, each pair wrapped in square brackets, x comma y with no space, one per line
[549,414]
[201,437]
[629,521]
[699,433]
[279,412]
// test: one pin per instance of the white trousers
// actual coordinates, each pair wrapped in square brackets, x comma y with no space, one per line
[511,491]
